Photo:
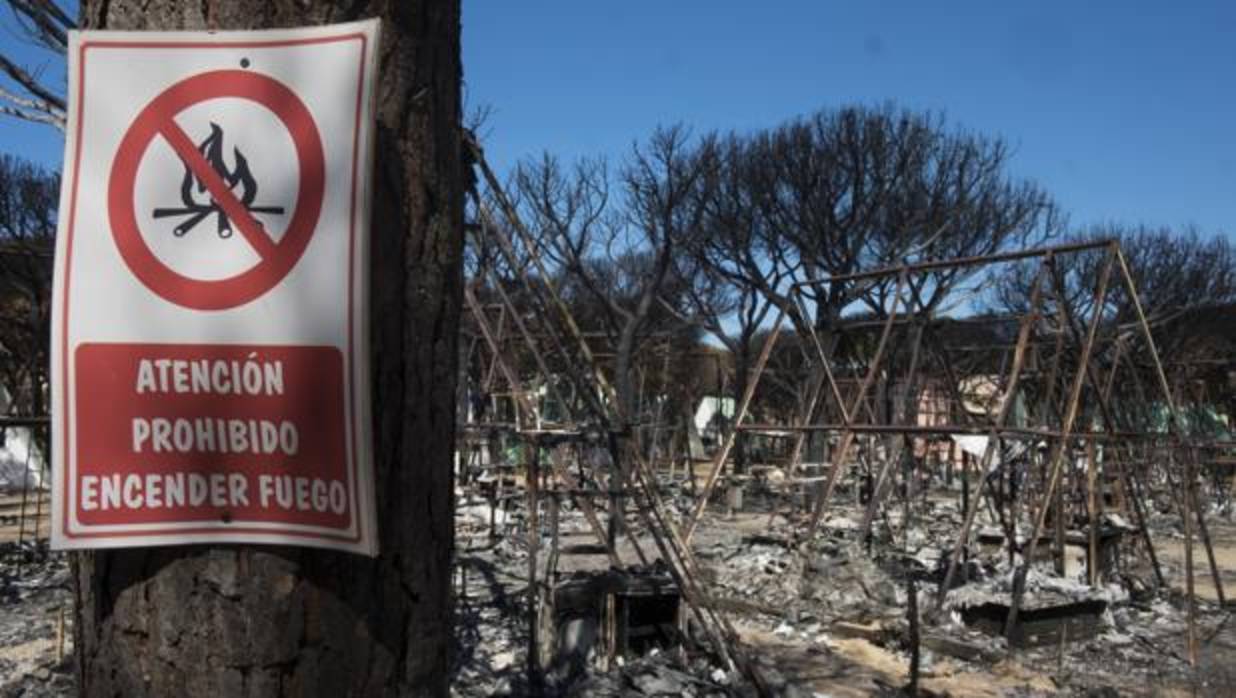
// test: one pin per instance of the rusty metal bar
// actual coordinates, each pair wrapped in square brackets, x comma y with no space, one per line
[537,355]
[847,438]
[934,264]
[1176,424]
[719,460]
[487,332]
[1010,391]
[508,251]
[895,455]
[1062,446]
[585,505]
[534,548]
[513,218]
[963,430]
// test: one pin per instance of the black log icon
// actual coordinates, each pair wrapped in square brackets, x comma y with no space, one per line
[238,179]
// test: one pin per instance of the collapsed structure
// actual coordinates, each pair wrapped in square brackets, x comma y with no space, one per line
[1055,436]
[912,479]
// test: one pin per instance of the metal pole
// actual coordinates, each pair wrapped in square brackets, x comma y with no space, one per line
[740,413]
[847,437]
[1019,357]
[1062,448]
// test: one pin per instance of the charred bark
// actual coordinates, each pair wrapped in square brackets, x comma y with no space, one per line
[243,620]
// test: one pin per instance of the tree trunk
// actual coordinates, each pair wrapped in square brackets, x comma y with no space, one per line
[240,620]
[624,366]
[742,371]
[621,433]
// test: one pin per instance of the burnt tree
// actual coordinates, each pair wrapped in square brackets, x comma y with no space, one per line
[239,620]
[28,195]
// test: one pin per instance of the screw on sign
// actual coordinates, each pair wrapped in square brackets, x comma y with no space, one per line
[205,168]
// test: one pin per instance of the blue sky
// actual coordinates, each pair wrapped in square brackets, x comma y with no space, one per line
[1124,110]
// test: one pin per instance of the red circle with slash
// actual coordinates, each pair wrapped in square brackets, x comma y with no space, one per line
[277,258]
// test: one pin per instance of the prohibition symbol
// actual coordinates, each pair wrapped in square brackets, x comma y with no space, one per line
[277,258]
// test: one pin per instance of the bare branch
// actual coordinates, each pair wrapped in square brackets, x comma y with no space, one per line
[34,116]
[30,109]
[44,21]
[30,84]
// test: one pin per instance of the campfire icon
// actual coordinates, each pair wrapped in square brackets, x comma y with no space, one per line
[239,178]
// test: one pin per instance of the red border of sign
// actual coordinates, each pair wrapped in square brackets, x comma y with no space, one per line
[64,327]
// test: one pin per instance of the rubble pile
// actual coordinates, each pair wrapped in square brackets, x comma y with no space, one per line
[656,675]
[490,631]
[35,623]
[810,612]
[1041,590]
[820,617]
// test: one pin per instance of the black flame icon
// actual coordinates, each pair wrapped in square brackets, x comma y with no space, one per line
[239,178]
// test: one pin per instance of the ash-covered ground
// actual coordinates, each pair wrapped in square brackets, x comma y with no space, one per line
[827,617]
[36,615]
